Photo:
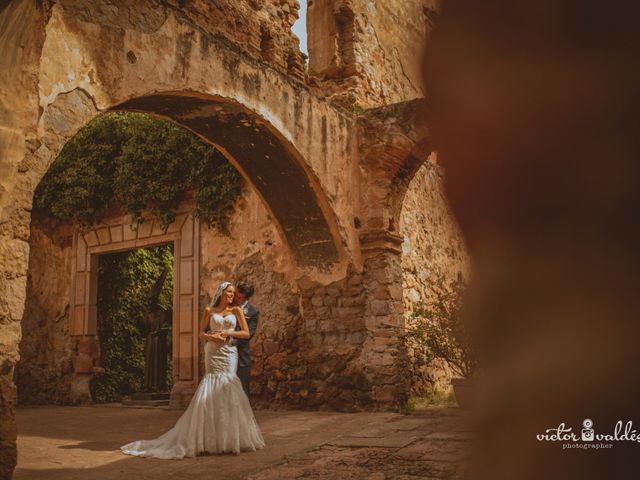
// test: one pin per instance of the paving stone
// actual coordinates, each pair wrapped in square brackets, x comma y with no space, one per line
[81,443]
[449,436]
[390,441]
[406,424]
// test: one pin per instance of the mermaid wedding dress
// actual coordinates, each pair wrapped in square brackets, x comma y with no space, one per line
[219,418]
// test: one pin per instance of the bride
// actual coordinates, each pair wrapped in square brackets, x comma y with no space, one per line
[219,418]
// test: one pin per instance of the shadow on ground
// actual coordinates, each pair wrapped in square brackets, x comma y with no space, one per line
[69,443]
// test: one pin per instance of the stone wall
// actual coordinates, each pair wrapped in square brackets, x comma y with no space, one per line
[432,247]
[45,371]
[217,90]
[363,53]
[260,29]
[316,346]
[21,37]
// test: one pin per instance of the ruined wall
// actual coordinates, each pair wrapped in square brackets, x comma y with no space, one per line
[307,349]
[252,250]
[251,232]
[432,242]
[21,37]
[114,61]
[44,373]
[317,345]
[432,247]
[363,53]
[312,348]
[260,29]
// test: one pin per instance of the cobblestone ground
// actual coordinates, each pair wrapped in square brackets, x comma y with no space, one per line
[68,443]
[429,444]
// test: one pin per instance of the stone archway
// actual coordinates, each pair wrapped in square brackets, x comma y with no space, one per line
[408,224]
[265,159]
[289,190]
[117,234]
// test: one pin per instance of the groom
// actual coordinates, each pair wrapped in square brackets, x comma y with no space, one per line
[244,292]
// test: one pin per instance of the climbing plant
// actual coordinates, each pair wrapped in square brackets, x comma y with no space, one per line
[137,162]
[124,281]
[437,330]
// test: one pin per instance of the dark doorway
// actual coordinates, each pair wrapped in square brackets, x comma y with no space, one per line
[134,335]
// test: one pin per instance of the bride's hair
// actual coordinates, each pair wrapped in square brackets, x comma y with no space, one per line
[218,295]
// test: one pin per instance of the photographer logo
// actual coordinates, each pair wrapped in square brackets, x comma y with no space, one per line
[589,439]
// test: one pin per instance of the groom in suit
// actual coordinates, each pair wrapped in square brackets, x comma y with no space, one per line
[244,292]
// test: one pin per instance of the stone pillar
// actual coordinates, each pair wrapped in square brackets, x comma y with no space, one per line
[383,355]
[21,37]
[14,257]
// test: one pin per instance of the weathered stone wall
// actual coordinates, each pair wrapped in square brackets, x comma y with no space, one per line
[432,247]
[260,29]
[363,53]
[432,242]
[45,371]
[114,62]
[313,347]
[21,37]
[254,252]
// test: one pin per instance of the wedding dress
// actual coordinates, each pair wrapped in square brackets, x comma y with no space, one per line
[219,418]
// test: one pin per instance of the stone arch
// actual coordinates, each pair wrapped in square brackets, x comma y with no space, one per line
[398,144]
[407,225]
[289,189]
[180,61]
[265,158]
[400,183]
[269,163]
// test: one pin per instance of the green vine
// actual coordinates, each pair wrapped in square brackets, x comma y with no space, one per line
[437,330]
[137,162]
[124,282]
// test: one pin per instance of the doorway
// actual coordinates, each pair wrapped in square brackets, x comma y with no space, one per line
[134,327]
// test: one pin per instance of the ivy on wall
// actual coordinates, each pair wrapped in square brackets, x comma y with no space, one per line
[124,281]
[137,162]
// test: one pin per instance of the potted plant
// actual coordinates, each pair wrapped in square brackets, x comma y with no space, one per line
[436,331]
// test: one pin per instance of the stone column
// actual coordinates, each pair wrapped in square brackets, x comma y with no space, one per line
[21,37]
[14,258]
[384,357]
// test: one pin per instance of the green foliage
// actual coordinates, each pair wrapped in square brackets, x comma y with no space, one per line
[437,330]
[437,396]
[137,162]
[408,407]
[124,282]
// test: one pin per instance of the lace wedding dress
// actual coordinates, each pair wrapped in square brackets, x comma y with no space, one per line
[219,418]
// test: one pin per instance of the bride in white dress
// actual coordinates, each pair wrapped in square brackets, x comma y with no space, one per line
[219,418]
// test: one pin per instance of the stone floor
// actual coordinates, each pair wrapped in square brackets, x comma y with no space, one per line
[69,443]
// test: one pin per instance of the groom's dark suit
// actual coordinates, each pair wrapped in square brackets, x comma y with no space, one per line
[252,314]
